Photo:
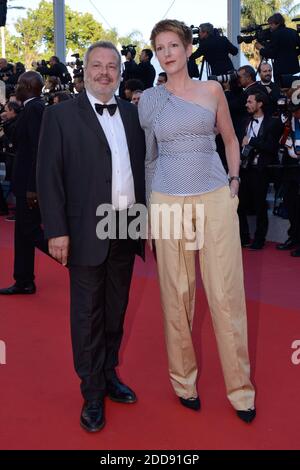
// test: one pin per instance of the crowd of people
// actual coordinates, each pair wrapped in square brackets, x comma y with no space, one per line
[183,143]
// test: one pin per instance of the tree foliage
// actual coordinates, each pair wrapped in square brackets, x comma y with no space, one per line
[34,37]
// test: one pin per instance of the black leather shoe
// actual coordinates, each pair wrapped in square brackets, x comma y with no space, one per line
[119,392]
[245,242]
[92,416]
[192,403]
[296,254]
[247,415]
[289,244]
[256,245]
[16,289]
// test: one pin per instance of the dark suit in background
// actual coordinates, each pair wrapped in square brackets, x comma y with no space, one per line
[216,50]
[74,178]
[146,73]
[28,231]
[254,179]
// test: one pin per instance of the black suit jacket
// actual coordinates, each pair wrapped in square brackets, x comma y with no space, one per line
[146,73]
[237,105]
[266,143]
[26,139]
[75,174]
[284,50]
[215,50]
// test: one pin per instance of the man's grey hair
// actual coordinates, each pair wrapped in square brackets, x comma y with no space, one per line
[207,28]
[104,45]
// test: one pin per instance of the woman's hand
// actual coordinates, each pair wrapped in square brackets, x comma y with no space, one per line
[234,188]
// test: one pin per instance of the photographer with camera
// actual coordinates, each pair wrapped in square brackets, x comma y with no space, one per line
[56,69]
[9,74]
[259,149]
[130,67]
[215,49]
[283,47]
[6,70]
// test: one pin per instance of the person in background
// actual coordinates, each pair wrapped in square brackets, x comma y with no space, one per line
[28,231]
[145,70]
[78,83]
[272,89]
[131,86]
[136,95]
[61,96]
[283,47]
[162,78]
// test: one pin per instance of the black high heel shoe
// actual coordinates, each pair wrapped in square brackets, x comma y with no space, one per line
[192,403]
[247,415]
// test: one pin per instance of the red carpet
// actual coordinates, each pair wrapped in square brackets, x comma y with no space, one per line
[40,400]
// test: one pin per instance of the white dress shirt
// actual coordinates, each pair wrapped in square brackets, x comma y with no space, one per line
[27,101]
[253,130]
[123,195]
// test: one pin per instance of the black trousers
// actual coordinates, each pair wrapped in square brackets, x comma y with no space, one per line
[99,298]
[28,235]
[291,192]
[253,191]
[3,203]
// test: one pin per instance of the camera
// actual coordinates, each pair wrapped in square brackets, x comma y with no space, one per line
[227,78]
[197,30]
[196,34]
[41,63]
[298,25]
[254,32]
[78,63]
[130,48]
[77,67]
[247,155]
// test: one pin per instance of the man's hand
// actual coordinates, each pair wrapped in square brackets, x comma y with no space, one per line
[59,249]
[32,200]
[245,141]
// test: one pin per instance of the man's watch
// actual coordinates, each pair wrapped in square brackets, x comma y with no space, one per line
[234,178]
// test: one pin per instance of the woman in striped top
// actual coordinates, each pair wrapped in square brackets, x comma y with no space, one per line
[189,195]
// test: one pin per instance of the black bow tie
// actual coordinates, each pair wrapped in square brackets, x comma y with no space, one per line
[254,120]
[111,108]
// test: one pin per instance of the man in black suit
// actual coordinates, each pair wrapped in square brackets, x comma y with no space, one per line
[28,231]
[91,157]
[145,70]
[215,49]
[259,149]
[271,88]
[283,47]
[237,100]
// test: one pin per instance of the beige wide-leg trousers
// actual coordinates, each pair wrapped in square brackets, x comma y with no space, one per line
[222,275]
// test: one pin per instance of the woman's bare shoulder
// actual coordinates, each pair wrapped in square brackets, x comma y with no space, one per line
[209,86]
